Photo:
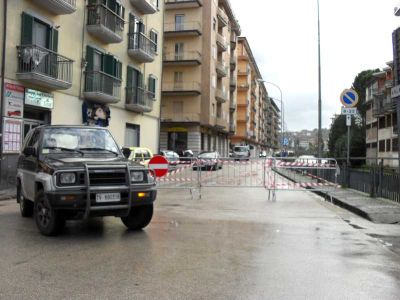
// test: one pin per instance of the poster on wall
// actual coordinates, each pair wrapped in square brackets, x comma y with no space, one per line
[12,135]
[14,100]
[94,114]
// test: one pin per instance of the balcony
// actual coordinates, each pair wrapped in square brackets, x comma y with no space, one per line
[104,24]
[141,48]
[139,100]
[388,84]
[222,18]
[243,86]
[179,4]
[222,44]
[378,92]
[58,7]
[220,123]
[232,128]
[232,105]
[233,61]
[233,83]
[181,117]
[102,88]
[182,59]
[242,72]
[182,29]
[222,69]
[221,96]
[145,6]
[233,40]
[44,67]
[181,88]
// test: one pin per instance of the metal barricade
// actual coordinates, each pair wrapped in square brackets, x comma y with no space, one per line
[271,174]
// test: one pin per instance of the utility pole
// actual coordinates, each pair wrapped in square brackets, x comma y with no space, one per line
[319,90]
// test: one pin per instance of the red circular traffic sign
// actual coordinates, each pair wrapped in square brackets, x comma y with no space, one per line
[159,164]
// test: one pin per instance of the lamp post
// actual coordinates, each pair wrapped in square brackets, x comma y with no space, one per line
[319,90]
[282,115]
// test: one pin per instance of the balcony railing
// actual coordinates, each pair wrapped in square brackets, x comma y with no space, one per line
[145,6]
[141,48]
[181,117]
[181,88]
[222,43]
[242,72]
[233,83]
[383,107]
[174,4]
[44,67]
[139,99]
[221,96]
[59,7]
[182,58]
[222,18]
[182,29]
[104,24]
[102,87]
[378,92]
[222,69]
[389,84]
[221,123]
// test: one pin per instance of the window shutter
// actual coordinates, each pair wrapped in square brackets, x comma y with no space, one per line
[108,65]
[131,23]
[89,58]
[123,12]
[54,40]
[118,69]
[140,79]
[112,5]
[129,77]
[26,30]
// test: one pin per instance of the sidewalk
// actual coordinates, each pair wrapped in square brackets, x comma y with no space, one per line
[7,194]
[377,210]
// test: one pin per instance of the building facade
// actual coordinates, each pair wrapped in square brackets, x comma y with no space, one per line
[199,86]
[94,62]
[381,119]
[257,116]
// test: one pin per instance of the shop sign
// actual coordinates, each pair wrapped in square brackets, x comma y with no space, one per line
[38,98]
[177,129]
[12,135]
[14,100]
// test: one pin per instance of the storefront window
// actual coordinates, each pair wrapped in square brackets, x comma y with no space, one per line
[177,141]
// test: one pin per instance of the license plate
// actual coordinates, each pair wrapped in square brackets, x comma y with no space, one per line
[108,197]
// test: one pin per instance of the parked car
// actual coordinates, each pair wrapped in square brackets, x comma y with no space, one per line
[141,155]
[208,160]
[171,156]
[263,153]
[241,152]
[77,172]
[186,156]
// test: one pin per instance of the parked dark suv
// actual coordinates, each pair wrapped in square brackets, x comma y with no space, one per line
[77,172]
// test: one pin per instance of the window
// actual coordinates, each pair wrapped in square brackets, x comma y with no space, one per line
[152,86]
[395,145]
[219,110]
[388,145]
[99,61]
[214,24]
[112,5]
[179,22]
[214,52]
[374,145]
[382,146]
[178,80]
[389,121]
[36,32]
[382,122]
[154,39]
[134,84]
[214,81]
[179,49]
[132,135]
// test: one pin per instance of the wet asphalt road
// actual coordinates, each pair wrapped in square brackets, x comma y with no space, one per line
[231,244]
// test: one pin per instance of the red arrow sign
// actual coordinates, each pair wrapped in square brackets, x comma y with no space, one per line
[159,164]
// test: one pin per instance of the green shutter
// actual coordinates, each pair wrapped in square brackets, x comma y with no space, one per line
[54,40]
[123,12]
[119,68]
[140,79]
[26,29]
[112,5]
[108,65]
[129,77]
[89,58]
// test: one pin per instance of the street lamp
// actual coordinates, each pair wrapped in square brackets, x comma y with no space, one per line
[282,114]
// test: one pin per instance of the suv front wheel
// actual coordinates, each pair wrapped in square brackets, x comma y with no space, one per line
[47,219]
[139,217]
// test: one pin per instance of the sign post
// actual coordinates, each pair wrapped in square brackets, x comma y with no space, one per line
[349,99]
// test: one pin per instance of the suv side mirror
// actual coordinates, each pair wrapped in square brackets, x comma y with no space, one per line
[29,151]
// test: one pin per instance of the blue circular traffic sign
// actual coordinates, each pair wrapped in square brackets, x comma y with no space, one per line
[349,98]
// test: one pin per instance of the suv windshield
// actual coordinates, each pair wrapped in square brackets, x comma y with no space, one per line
[208,155]
[79,140]
[240,149]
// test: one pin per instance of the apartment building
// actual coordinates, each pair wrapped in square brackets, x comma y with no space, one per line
[381,118]
[94,62]
[199,86]
[256,114]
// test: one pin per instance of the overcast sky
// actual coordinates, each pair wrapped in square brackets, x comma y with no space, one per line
[355,35]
